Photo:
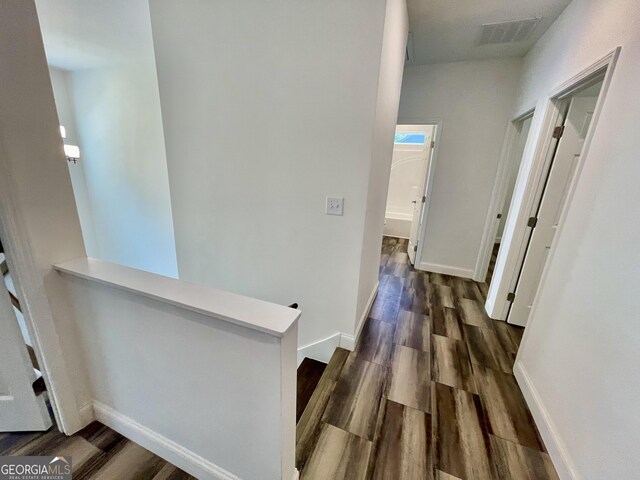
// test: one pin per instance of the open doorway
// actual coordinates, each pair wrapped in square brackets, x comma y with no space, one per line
[576,112]
[505,184]
[407,197]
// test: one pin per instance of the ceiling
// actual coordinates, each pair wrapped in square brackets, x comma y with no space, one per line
[446,31]
[82,34]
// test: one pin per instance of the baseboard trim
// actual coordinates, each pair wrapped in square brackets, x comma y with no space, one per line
[320,350]
[552,440]
[365,313]
[167,449]
[87,414]
[447,270]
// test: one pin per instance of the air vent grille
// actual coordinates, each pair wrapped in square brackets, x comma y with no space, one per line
[507,32]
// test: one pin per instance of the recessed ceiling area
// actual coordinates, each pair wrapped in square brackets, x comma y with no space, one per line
[81,34]
[444,31]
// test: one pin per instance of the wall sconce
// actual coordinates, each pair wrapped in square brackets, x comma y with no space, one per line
[72,152]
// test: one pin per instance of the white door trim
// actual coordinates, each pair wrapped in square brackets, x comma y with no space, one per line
[497,305]
[35,309]
[429,180]
[498,196]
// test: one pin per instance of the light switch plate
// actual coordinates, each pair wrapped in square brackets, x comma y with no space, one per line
[335,206]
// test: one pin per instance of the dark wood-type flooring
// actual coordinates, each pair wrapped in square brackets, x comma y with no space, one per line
[98,453]
[428,392]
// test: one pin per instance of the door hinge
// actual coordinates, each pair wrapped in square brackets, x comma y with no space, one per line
[558,131]
[424,198]
[433,144]
[511,297]
[499,216]
[415,247]
[533,221]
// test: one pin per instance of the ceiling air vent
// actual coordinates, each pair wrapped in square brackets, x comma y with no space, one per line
[507,32]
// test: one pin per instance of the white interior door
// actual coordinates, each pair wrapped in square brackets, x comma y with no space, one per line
[553,200]
[420,197]
[20,408]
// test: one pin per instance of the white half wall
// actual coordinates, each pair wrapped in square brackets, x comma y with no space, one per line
[474,100]
[204,378]
[268,110]
[579,356]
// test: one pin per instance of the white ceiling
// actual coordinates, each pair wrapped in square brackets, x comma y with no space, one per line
[92,33]
[82,34]
[448,30]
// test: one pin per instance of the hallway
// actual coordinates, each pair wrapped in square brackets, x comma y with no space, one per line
[428,392]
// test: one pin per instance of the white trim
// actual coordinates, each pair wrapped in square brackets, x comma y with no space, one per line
[347,342]
[498,196]
[398,216]
[555,446]
[497,305]
[365,313]
[431,172]
[36,309]
[163,447]
[296,474]
[320,350]
[87,415]
[446,270]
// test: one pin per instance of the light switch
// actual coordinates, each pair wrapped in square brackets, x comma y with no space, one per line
[334,206]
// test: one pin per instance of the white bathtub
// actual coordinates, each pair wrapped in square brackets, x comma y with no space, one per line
[397,225]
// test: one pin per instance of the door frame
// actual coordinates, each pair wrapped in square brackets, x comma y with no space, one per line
[36,310]
[428,184]
[497,305]
[498,196]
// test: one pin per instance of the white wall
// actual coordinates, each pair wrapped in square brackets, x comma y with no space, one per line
[38,220]
[394,41]
[268,109]
[474,100]
[122,146]
[581,350]
[61,83]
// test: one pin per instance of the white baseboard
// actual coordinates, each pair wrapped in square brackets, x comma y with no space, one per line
[555,446]
[446,270]
[365,313]
[167,449]
[296,474]
[320,350]
[87,414]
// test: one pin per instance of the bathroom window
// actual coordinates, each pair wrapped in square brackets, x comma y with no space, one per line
[410,138]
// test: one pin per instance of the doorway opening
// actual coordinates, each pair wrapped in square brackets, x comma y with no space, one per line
[505,184]
[409,181]
[576,111]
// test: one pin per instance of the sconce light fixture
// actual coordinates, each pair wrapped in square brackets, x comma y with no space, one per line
[71,151]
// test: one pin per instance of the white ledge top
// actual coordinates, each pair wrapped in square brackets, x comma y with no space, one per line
[248,312]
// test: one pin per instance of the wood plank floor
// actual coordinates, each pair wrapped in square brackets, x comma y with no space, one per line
[428,392]
[97,453]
